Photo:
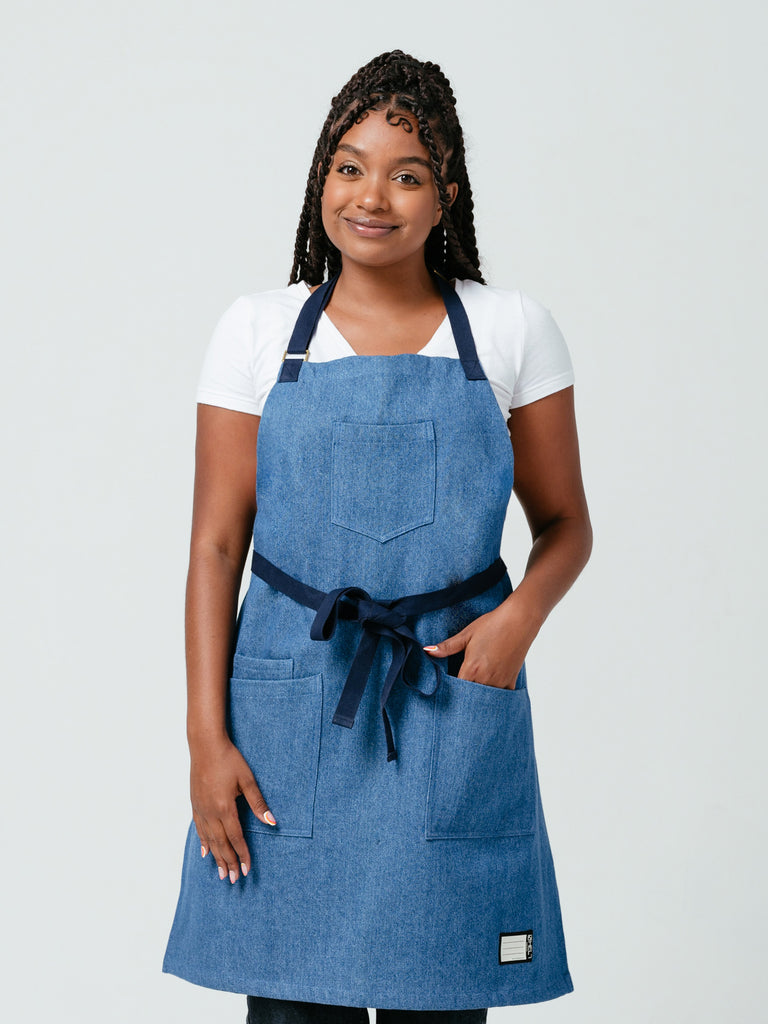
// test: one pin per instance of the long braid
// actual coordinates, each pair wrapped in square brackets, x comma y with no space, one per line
[456,260]
[400,83]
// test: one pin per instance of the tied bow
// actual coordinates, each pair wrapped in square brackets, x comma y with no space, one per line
[378,619]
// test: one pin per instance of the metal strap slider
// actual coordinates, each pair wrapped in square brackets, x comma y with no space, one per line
[295,355]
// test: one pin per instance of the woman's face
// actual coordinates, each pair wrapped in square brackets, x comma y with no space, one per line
[380,201]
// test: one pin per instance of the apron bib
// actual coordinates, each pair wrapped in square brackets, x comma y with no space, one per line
[410,866]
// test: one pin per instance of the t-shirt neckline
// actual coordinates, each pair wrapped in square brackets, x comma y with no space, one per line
[439,331]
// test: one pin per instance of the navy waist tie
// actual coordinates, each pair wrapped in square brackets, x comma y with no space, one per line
[378,619]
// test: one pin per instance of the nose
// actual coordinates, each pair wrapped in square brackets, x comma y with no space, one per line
[373,194]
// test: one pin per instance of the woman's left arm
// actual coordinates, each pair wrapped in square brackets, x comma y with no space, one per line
[549,487]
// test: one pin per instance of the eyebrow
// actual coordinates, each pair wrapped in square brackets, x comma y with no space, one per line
[400,160]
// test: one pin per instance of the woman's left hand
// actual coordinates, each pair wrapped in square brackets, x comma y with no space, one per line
[495,644]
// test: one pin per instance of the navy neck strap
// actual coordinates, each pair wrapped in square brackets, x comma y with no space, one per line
[311,311]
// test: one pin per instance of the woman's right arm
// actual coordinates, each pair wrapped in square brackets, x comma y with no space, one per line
[224,506]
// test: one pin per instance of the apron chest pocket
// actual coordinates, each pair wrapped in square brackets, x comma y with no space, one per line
[482,778]
[274,721]
[383,477]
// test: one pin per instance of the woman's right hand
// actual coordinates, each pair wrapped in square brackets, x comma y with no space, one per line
[219,773]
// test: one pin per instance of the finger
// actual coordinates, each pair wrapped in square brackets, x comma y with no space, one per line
[256,801]
[450,645]
[201,834]
[518,677]
[227,859]
[472,677]
[238,843]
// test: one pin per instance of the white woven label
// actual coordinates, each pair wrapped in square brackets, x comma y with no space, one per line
[515,947]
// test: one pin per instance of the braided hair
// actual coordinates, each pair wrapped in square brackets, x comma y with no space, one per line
[399,83]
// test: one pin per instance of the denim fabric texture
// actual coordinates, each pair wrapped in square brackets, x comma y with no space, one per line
[262,1010]
[424,883]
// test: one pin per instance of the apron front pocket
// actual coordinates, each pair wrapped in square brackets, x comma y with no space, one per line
[482,777]
[383,477]
[275,724]
[246,667]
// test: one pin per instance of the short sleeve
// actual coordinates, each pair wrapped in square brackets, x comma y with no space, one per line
[227,377]
[546,364]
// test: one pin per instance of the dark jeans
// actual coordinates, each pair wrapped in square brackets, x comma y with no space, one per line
[263,1010]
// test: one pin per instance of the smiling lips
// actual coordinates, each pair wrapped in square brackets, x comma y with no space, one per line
[367,227]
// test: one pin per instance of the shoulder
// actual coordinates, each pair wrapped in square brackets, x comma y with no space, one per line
[257,322]
[497,317]
[519,339]
[511,303]
[276,306]
[290,298]
[245,347]
[509,313]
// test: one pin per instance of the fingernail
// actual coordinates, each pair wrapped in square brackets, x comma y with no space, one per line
[268,818]
[203,850]
[243,868]
[222,873]
[232,875]
[431,647]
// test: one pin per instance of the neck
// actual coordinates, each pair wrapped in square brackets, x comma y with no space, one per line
[408,283]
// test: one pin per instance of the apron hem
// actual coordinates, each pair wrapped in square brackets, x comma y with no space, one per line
[370,998]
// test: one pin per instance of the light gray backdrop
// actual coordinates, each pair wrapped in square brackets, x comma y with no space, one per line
[154,163]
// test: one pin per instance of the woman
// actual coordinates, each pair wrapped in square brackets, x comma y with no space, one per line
[363,777]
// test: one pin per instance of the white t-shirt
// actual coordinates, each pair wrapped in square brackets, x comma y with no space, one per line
[519,345]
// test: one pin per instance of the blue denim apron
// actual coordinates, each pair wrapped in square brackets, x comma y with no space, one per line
[410,866]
